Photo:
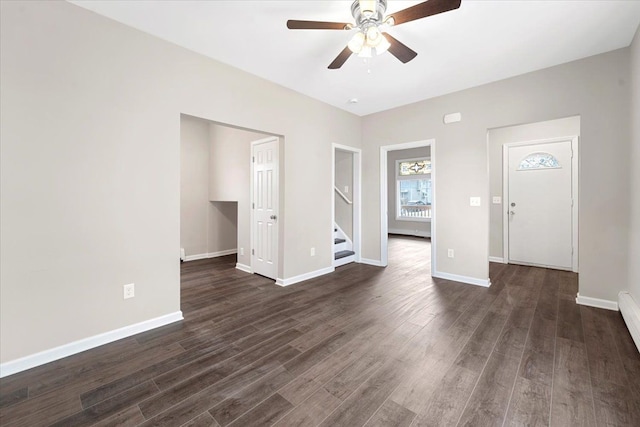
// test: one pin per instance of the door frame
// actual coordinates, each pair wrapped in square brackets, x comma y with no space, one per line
[357,197]
[384,198]
[574,192]
[252,228]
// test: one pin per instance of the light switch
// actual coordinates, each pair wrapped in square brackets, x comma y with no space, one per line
[474,201]
[497,200]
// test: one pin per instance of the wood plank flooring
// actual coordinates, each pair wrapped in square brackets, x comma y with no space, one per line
[364,346]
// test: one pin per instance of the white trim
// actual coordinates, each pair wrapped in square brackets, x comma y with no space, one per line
[305,276]
[343,261]
[575,191]
[533,264]
[341,194]
[497,259]
[412,219]
[409,232]
[463,279]
[631,315]
[597,302]
[56,353]
[245,268]
[356,242]
[373,262]
[211,255]
[384,196]
[344,236]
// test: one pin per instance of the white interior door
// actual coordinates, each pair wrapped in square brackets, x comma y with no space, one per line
[264,255]
[539,205]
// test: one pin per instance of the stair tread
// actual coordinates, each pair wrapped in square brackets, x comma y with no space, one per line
[343,254]
[338,240]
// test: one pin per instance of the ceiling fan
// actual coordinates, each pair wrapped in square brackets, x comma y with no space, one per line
[370,24]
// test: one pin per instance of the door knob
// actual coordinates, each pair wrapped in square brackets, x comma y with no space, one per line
[273,217]
[512,212]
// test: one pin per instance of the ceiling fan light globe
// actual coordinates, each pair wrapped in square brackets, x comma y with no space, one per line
[373,36]
[357,42]
[365,52]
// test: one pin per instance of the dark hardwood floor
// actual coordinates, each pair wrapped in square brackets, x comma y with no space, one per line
[364,346]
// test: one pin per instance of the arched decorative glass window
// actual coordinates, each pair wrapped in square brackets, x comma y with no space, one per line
[415,167]
[539,161]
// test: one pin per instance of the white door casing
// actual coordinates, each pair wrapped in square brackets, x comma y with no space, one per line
[541,203]
[265,198]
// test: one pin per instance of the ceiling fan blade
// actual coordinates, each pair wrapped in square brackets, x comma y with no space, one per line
[292,24]
[340,59]
[422,10]
[400,50]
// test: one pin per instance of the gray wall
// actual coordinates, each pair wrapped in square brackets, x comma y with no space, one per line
[416,228]
[194,186]
[91,195]
[569,126]
[596,88]
[634,228]
[344,177]
[206,227]
[230,178]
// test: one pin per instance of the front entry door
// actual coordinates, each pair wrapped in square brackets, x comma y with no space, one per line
[264,254]
[539,205]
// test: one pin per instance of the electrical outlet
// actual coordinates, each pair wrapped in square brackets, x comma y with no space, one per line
[346,189]
[474,201]
[313,251]
[241,251]
[450,253]
[497,200]
[129,290]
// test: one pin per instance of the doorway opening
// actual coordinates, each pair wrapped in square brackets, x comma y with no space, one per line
[215,191]
[346,236]
[533,179]
[407,194]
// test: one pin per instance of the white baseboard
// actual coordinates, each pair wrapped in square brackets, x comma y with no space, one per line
[463,279]
[245,268]
[597,302]
[497,259]
[631,314]
[404,232]
[374,262]
[210,255]
[305,276]
[37,359]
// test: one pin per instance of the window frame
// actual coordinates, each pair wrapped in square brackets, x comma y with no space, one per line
[417,177]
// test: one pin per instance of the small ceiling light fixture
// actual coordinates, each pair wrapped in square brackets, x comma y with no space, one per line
[369,38]
[353,101]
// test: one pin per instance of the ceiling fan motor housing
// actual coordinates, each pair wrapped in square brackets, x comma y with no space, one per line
[367,19]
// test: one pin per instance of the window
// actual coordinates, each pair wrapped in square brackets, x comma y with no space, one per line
[539,161]
[413,190]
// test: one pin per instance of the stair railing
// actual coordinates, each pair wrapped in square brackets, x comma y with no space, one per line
[341,194]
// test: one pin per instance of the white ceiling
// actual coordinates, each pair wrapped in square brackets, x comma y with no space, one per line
[481,42]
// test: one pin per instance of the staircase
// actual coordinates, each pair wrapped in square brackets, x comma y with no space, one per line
[342,248]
